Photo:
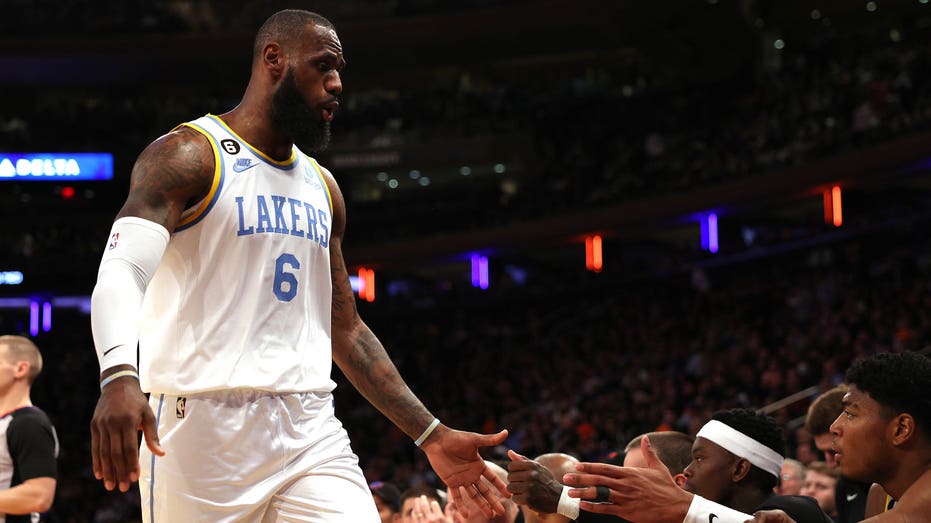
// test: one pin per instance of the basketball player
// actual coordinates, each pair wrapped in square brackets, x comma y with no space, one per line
[735,465]
[558,465]
[851,496]
[28,457]
[535,486]
[884,434]
[463,514]
[225,265]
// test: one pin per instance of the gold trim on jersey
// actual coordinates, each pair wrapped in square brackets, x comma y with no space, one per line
[207,202]
[287,163]
[326,186]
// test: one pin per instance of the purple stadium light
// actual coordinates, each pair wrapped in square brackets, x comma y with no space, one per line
[34,318]
[709,232]
[46,316]
[480,271]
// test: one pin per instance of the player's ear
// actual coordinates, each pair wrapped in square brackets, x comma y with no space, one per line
[273,58]
[679,479]
[902,428]
[741,469]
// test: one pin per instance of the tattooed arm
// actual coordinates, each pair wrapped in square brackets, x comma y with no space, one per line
[170,174]
[362,358]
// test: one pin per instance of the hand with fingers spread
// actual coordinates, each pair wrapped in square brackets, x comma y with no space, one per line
[472,508]
[427,511]
[122,411]
[532,484]
[454,456]
[770,516]
[644,495]
[454,513]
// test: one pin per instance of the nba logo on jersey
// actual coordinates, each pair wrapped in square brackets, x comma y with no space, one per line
[113,239]
[179,407]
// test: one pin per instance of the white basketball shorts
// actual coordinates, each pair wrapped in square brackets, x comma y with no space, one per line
[248,456]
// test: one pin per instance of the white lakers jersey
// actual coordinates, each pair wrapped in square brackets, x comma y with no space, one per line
[242,295]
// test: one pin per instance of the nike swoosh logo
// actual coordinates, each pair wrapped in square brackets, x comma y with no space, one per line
[241,165]
[111,348]
[851,497]
[711,517]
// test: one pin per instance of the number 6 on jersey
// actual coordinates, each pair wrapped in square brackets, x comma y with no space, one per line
[285,285]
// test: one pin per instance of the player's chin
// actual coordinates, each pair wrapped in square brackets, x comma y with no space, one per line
[315,141]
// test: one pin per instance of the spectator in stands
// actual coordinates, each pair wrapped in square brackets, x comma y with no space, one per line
[421,504]
[387,500]
[821,483]
[791,478]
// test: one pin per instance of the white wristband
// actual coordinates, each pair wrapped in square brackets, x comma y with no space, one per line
[567,506]
[426,433]
[116,375]
[702,511]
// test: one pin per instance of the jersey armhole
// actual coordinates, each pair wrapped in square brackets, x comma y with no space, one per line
[195,214]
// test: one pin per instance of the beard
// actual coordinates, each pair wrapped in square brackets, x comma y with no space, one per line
[309,131]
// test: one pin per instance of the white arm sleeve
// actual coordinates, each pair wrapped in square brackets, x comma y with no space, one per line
[567,506]
[704,511]
[129,260]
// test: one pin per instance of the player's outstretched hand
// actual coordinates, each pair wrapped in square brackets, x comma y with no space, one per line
[122,411]
[532,484]
[454,456]
[645,495]
[770,516]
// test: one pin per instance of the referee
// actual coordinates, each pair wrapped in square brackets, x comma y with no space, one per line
[29,449]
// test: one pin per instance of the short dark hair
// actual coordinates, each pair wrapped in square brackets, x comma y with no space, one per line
[764,430]
[824,410]
[286,27]
[673,448]
[899,382]
[388,493]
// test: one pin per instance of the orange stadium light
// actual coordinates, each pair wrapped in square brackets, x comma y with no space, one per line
[367,284]
[836,200]
[833,209]
[593,259]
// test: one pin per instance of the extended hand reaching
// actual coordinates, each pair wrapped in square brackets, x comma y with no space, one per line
[454,456]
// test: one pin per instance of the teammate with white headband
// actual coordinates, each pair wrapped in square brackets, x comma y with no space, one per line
[736,460]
